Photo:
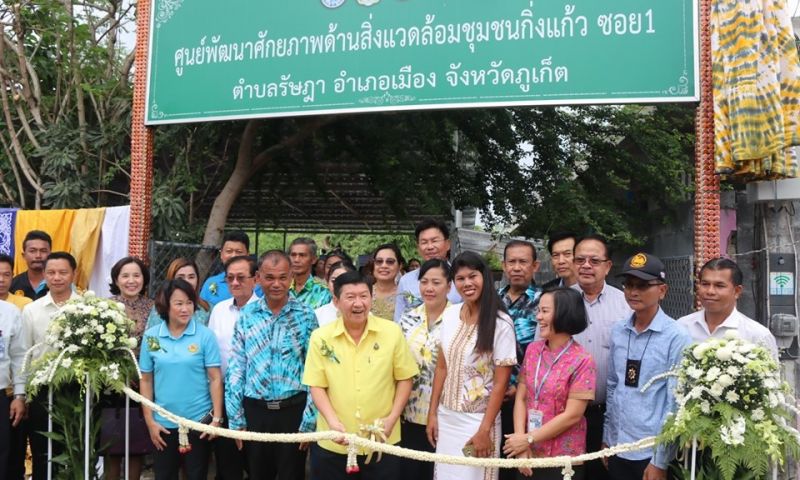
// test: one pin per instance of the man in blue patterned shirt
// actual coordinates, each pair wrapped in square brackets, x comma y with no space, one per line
[305,287]
[521,298]
[264,392]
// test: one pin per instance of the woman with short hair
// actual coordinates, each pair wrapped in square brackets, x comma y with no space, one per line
[556,384]
[180,364]
[129,280]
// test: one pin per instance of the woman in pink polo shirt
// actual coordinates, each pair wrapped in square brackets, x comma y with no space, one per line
[556,383]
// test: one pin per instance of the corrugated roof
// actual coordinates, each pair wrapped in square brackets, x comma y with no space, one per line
[341,199]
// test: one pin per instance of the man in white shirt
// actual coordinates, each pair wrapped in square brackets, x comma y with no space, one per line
[719,288]
[433,241]
[59,272]
[240,278]
[12,356]
[605,305]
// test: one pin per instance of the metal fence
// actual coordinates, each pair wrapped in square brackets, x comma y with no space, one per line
[163,253]
[680,278]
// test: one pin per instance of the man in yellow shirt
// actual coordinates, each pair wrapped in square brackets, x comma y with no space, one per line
[6,274]
[359,369]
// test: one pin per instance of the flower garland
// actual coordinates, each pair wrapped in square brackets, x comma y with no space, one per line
[731,398]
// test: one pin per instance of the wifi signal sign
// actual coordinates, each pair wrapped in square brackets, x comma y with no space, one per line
[781,283]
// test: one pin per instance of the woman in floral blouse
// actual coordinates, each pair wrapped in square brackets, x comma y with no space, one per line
[476,354]
[556,383]
[129,280]
[423,336]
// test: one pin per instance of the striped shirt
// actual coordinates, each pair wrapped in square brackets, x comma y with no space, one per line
[267,359]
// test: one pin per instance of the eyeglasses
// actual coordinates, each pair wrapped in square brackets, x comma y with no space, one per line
[238,278]
[385,261]
[629,285]
[594,261]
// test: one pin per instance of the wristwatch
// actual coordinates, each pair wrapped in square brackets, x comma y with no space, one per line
[217,419]
[20,396]
[530,439]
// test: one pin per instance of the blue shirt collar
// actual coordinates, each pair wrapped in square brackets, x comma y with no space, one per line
[191,329]
[660,322]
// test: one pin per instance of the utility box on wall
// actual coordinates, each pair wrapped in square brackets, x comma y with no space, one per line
[782,291]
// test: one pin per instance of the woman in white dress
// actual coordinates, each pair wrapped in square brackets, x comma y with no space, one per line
[476,355]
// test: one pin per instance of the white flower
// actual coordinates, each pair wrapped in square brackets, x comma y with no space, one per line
[770,383]
[725,380]
[696,392]
[733,434]
[132,342]
[758,414]
[88,294]
[731,335]
[705,407]
[699,350]
[733,371]
[772,400]
[694,372]
[732,396]
[712,374]
[66,363]
[739,358]
[716,390]
[724,354]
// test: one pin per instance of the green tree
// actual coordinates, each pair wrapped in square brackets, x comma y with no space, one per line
[65,103]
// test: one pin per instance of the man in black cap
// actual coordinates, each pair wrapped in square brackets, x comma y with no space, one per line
[643,346]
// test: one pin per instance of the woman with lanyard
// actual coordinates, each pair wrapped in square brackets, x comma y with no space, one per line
[556,383]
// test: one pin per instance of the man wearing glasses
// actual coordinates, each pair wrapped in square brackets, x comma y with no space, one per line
[240,278]
[433,241]
[605,305]
[215,288]
[645,345]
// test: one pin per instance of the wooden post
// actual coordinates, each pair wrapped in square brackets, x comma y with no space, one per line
[141,191]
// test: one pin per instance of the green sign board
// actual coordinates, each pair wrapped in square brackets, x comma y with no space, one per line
[232,59]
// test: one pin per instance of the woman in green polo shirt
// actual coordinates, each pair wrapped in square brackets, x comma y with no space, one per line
[180,366]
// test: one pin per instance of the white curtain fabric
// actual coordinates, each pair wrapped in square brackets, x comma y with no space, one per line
[113,246]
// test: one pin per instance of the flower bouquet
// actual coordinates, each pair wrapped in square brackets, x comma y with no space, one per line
[88,339]
[87,335]
[731,399]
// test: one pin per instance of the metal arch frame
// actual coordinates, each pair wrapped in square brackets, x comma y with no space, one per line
[707,198]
